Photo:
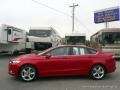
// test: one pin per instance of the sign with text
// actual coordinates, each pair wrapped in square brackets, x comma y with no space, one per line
[107,15]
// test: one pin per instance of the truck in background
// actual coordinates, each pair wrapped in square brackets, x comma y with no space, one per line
[75,38]
[13,40]
[44,37]
[109,40]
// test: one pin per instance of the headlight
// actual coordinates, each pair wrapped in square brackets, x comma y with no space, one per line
[15,62]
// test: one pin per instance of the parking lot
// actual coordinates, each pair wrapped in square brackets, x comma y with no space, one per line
[7,82]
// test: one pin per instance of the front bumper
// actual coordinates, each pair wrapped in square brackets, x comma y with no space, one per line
[13,69]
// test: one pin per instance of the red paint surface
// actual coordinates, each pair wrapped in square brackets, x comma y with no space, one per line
[64,65]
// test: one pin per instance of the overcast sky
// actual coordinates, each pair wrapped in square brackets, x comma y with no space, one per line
[26,13]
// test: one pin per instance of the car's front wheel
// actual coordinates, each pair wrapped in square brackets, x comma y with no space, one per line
[28,73]
[97,72]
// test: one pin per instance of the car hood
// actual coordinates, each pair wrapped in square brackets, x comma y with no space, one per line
[28,57]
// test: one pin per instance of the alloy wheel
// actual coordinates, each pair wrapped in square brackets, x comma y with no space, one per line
[28,73]
[98,72]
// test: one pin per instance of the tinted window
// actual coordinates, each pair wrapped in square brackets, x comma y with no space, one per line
[110,38]
[75,39]
[40,33]
[60,51]
[90,51]
[82,51]
[76,51]
[9,31]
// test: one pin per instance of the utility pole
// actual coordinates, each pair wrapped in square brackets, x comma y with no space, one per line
[106,24]
[73,14]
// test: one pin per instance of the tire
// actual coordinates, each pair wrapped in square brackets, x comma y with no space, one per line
[28,73]
[97,72]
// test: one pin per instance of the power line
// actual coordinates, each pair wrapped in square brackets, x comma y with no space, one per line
[61,13]
[86,28]
[51,8]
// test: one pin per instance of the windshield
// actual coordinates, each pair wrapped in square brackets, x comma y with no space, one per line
[111,37]
[75,39]
[44,51]
[40,33]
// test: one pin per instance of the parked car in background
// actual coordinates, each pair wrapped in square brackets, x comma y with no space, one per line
[65,60]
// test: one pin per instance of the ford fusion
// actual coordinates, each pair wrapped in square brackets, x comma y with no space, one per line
[65,60]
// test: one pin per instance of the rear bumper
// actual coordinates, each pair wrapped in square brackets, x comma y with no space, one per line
[111,70]
[111,67]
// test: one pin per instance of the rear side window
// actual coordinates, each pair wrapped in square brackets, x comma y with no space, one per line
[90,51]
[83,51]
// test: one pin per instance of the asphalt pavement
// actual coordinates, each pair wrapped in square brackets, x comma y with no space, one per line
[7,82]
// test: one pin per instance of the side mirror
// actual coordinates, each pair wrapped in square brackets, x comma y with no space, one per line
[47,56]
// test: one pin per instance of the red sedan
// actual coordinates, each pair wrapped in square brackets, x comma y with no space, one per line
[67,60]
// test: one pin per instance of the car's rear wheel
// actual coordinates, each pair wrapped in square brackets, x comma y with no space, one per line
[97,72]
[28,73]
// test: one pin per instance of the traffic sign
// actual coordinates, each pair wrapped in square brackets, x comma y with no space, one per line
[107,15]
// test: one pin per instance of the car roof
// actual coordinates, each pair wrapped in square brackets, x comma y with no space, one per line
[72,45]
[84,46]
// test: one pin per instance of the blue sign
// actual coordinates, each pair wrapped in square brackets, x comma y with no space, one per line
[107,15]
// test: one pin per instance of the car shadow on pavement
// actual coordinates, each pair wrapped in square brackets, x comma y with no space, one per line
[63,78]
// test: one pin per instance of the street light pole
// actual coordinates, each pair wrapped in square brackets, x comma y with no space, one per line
[73,15]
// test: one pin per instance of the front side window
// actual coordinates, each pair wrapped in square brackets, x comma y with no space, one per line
[60,51]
